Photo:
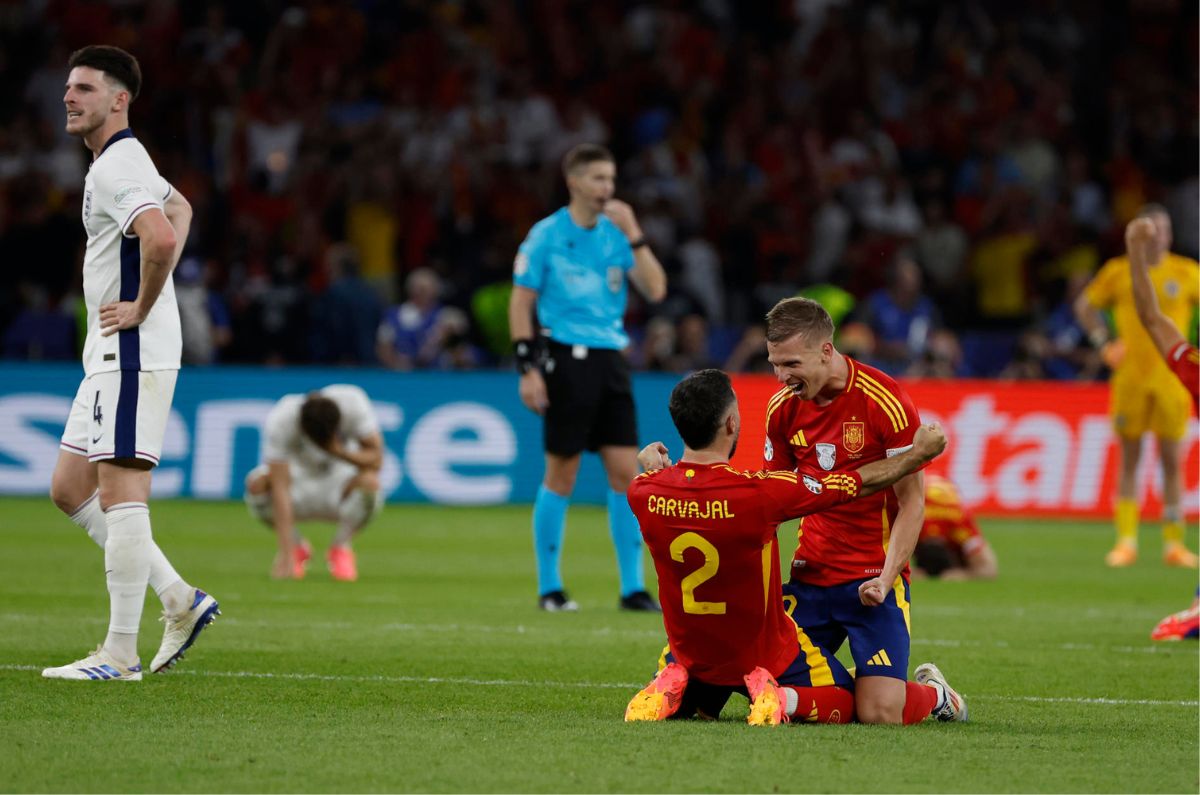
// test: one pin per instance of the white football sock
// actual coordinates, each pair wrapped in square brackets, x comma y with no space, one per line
[943,696]
[791,700]
[127,569]
[167,584]
[90,517]
[356,509]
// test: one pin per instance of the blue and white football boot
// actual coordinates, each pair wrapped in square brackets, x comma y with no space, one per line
[96,667]
[183,629]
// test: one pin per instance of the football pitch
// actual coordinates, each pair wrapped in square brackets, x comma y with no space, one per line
[436,672]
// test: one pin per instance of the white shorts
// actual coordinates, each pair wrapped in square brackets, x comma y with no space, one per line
[315,495]
[120,414]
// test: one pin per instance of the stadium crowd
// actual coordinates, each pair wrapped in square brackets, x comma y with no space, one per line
[944,177]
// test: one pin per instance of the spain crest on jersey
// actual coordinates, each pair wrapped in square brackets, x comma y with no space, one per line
[854,436]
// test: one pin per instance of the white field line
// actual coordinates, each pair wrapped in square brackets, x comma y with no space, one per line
[566,629]
[632,686]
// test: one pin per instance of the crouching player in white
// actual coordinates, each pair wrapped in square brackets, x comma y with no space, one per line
[136,226]
[321,458]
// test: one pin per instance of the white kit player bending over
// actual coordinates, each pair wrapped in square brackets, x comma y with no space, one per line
[321,458]
[136,226]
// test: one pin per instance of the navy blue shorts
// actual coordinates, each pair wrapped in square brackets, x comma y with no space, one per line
[831,614]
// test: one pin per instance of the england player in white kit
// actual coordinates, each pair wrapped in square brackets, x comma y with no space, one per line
[136,226]
[321,458]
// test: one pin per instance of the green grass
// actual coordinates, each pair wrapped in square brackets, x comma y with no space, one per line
[436,673]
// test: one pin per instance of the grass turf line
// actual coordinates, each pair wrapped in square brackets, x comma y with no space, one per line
[529,701]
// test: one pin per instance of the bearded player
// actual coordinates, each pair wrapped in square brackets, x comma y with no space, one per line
[711,531]
[136,224]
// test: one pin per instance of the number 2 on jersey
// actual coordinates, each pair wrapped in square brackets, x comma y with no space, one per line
[712,559]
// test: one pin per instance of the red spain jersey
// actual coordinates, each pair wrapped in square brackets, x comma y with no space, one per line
[872,418]
[711,532]
[1184,361]
[948,520]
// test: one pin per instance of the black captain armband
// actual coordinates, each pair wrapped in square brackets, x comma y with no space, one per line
[526,355]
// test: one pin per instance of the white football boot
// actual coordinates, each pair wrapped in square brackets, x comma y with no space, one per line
[96,667]
[952,707]
[182,630]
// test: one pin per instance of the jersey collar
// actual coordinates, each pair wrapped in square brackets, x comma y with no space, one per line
[117,136]
[853,365]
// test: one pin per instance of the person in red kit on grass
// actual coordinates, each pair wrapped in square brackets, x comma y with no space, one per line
[951,546]
[849,574]
[711,532]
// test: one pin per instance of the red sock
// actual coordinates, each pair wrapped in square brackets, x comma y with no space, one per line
[919,701]
[828,704]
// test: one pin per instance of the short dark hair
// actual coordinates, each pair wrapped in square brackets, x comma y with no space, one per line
[793,316]
[698,404]
[584,155]
[319,418]
[116,64]
[933,556]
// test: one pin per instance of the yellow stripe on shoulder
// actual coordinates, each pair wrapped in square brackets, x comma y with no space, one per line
[887,395]
[887,407]
[790,477]
[776,401]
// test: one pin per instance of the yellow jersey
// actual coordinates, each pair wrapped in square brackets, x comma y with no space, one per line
[1177,282]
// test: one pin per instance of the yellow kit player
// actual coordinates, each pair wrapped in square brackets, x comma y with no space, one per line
[1146,397]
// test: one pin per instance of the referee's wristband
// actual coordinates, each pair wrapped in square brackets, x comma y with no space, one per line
[524,354]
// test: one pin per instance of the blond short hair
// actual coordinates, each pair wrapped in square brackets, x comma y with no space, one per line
[793,316]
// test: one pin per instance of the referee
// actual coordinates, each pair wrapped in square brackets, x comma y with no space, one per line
[573,267]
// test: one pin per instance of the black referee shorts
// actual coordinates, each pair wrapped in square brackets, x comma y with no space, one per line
[591,400]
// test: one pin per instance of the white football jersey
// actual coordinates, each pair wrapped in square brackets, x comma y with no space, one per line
[121,184]
[284,441]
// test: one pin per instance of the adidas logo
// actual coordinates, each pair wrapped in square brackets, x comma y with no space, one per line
[799,439]
[880,658]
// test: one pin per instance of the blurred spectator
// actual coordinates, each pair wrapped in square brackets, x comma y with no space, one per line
[1028,360]
[346,316]
[422,333]
[901,317]
[784,144]
[750,353]
[40,332]
[942,357]
[857,341]
[1069,355]
[203,315]
[999,266]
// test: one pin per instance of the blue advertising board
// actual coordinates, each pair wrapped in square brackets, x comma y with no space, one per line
[454,438]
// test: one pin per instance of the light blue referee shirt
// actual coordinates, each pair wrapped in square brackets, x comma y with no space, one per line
[579,275]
